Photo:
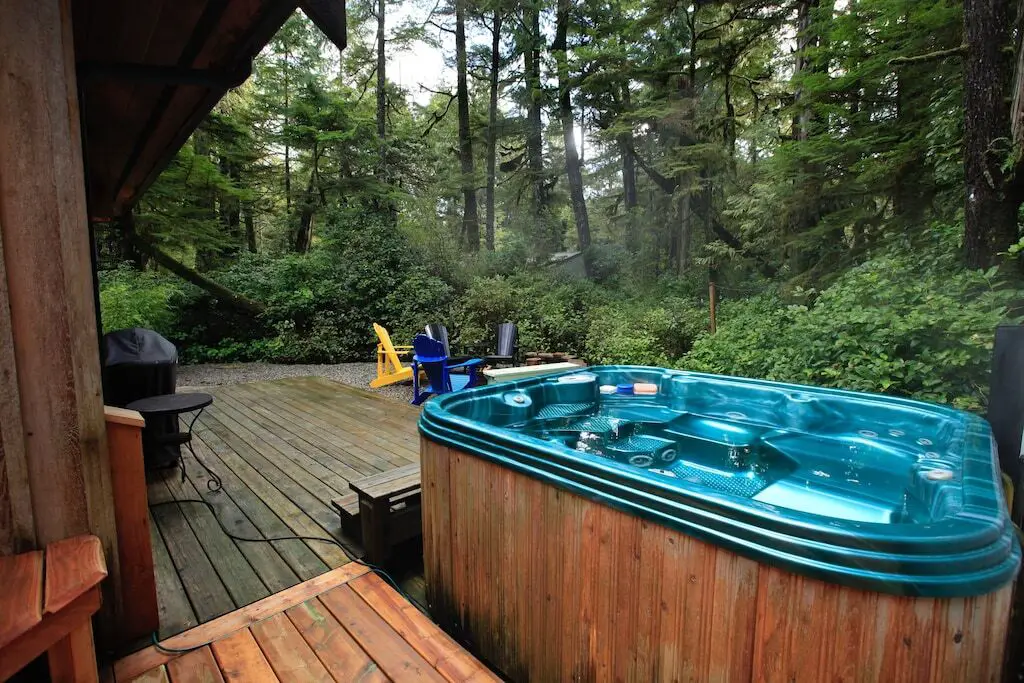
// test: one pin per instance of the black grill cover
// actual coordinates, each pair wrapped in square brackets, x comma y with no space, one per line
[137,346]
[137,363]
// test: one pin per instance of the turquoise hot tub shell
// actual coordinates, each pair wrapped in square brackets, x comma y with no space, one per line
[869,491]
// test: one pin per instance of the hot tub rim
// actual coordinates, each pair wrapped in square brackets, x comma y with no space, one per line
[913,561]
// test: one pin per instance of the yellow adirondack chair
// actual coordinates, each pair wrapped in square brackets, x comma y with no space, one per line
[389,363]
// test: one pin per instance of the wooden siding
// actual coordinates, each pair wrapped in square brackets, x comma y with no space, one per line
[53,433]
[549,586]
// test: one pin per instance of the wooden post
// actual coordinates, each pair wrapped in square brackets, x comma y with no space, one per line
[131,510]
[50,356]
[711,298]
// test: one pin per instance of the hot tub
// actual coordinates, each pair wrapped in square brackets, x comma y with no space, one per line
[721,529]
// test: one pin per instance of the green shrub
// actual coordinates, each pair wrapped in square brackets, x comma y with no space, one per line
[129,298]
[752,334]
[321,306]
[635,333]
[551,315]
[905,323]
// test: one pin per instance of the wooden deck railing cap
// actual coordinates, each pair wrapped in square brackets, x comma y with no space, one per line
[124,417]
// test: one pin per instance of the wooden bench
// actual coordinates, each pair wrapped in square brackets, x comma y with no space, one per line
[48,607]
[382,511]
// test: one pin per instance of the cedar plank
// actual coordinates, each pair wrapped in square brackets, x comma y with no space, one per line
[289,655]
[197,666]
[396,658]
[240,659]
[433,644]
[238,619]
[73,566]
[332,644]
[21,601]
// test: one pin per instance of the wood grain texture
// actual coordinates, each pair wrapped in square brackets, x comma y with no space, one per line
[198,666]
[547,585]
[433,644]
[17,529]
[21,602]
[140,615]
[284,450]
[354,628]
[47,633]
[289,655]
[146,659]
[395,657]
[73,566]
[157,675]
[342,656]
[240,659]
[48,273]
[123,416]
[73,658]
[176,614]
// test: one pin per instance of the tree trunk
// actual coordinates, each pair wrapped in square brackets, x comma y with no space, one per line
[205,199]
[806,40]
[572,160]
[628,160]
[230,208]
[1017,109]
[729,124]
[250,227]
[126,247]
[492,125]
[287,147]
[534,97]
[470,218]
[304,232]
[629,195]
[990,214]
[805,210]
[685,232]
[382,101]
[222,293]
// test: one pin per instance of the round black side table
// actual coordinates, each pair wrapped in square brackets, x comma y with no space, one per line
[175,405]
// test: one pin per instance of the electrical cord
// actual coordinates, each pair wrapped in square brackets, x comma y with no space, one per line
[323,539]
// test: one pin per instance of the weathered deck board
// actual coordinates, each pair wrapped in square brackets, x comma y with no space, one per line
[209,598]
[174,609]
[283,450]
[297,554]
[270,567]
[347,625]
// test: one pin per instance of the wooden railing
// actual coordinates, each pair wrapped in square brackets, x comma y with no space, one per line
[139,615]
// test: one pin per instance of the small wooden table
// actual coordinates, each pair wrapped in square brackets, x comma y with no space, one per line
[389,510]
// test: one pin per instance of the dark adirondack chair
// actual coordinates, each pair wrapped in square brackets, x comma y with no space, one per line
[506,351]
[430,356]
[439,332]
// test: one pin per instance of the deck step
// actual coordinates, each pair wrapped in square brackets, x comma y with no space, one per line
[348,508]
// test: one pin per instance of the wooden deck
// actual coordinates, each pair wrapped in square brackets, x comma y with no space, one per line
[284,450]
[345,625]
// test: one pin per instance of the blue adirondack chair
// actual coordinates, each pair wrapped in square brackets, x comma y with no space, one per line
[430,356]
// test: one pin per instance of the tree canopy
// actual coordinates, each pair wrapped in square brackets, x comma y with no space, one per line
[835,167]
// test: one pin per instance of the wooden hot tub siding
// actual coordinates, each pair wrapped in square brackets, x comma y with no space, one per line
[549,586]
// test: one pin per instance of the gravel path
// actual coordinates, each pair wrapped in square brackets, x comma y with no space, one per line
[354,374]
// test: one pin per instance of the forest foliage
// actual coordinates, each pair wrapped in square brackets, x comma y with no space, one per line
[807,157]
